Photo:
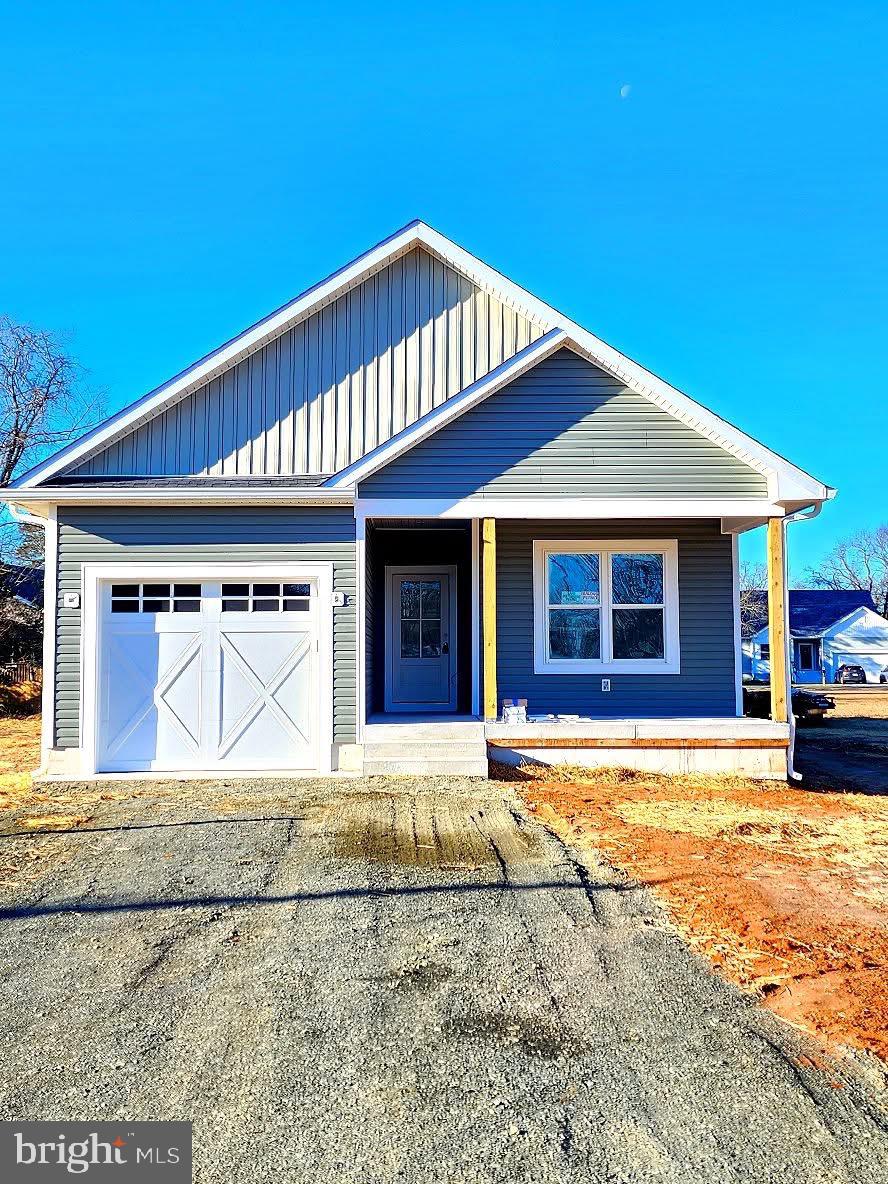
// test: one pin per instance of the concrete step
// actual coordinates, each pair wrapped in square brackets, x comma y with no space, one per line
[418,766]
[444,750]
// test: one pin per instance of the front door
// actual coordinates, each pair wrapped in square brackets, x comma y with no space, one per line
[420,641]
[807,663]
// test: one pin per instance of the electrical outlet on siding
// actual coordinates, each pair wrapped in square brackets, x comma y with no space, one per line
[605,684]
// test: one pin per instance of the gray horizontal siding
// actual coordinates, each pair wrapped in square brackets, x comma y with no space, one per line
[706,683]
[260,534]
[337,384]
[566,428]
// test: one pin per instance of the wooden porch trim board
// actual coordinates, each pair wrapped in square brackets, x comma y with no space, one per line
[488,615]
[636,742]
[777,619]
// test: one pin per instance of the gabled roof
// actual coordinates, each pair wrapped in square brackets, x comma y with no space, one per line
[787,483]
[811,610]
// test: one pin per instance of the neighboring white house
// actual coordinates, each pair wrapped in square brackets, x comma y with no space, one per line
[828,628]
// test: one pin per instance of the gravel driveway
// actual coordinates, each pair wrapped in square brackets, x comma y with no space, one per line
[354,982]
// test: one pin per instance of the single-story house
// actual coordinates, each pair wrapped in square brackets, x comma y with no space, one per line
[828,627]
[347,537]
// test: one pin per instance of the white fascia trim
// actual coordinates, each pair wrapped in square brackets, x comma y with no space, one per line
[62,495]
[861,608]
[786,481]
[435,419]
[226,355]
[561,507]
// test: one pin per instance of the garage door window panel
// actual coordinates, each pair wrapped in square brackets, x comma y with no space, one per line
[156,598]
[264,597]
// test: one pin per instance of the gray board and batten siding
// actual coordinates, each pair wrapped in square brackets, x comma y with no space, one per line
[566,428]
[335,385]
[706,684]
[261,534]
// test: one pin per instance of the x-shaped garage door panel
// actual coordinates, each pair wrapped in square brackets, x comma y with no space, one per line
[293,714]
[154,693]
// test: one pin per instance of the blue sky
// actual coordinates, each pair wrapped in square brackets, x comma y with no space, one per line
[172,172]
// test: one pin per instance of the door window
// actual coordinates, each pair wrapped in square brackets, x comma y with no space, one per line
[421,619]
[806,655]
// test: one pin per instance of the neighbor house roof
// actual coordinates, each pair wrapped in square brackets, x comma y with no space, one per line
[788,485]
[811,610]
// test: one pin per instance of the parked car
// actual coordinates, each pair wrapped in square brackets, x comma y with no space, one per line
[848,673]
[883,674]
[807,706]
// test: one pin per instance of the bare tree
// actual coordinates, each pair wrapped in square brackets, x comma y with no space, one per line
[753,582]
[43,400]
[44,403]
[860,561]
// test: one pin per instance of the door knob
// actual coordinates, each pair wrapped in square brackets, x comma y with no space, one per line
[445,648]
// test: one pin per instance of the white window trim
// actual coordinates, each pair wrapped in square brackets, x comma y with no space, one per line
[543,664]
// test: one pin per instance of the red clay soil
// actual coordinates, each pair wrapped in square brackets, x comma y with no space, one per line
[783,890]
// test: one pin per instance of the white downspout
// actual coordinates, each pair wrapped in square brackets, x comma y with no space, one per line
[50,608]
[796,516]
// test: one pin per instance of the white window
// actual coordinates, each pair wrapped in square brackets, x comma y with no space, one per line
[606,607]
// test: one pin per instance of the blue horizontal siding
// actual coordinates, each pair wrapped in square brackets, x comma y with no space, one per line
[705,686]
[251,534]
[566,428]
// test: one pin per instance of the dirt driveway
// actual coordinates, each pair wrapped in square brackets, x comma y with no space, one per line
[338,984]
[845,753]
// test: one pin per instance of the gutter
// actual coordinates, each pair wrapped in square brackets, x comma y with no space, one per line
[803,515]
[50,603]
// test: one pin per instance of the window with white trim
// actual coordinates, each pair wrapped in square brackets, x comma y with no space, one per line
[606,607]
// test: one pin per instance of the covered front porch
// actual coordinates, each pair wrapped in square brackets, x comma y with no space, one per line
[451,629]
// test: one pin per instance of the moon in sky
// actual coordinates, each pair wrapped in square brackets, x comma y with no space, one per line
[624,90]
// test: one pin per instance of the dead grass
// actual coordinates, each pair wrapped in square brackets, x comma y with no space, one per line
[871,704]
[20,699]
[19,756]
[783,890]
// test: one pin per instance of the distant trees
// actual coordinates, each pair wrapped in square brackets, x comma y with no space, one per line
[753,579]
[44,403]
[859,561]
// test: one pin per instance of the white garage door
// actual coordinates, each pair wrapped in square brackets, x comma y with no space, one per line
[212,675]
[872,663]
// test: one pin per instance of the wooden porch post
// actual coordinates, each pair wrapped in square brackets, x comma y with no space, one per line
[777,620]
[488,615]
